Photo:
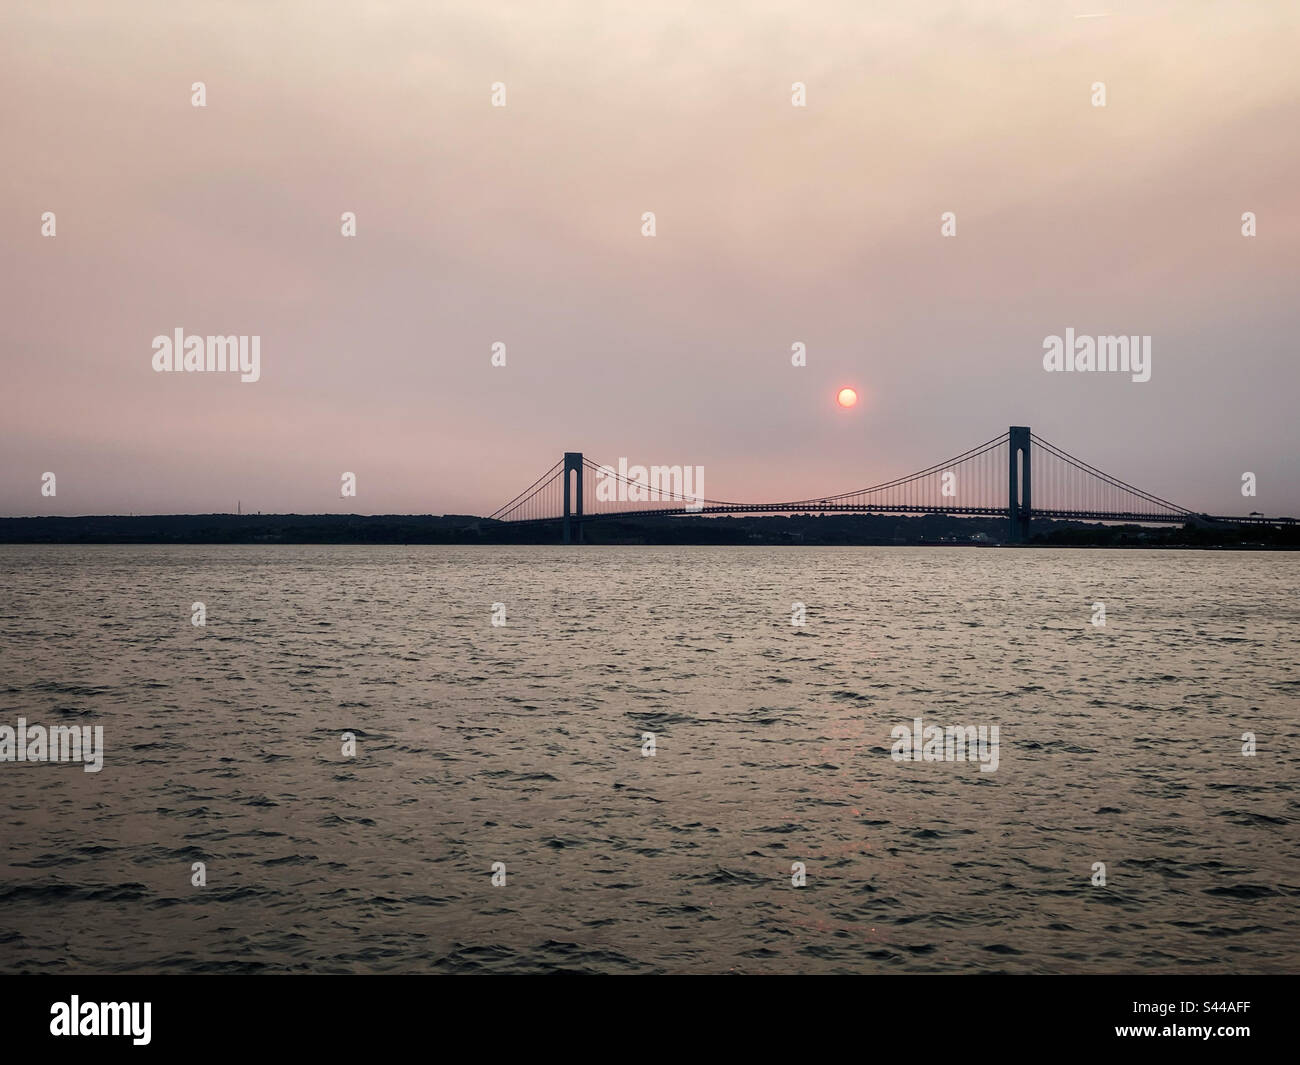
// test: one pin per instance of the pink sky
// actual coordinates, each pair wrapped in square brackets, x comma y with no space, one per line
[522,224]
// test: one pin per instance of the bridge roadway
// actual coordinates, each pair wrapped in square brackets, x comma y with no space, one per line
[813,506]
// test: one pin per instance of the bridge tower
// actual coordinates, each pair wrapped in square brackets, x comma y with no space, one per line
[572,463]
[1019,499]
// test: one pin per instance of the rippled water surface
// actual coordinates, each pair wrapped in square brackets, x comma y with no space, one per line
[522,744]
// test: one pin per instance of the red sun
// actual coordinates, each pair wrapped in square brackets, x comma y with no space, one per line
[847,397]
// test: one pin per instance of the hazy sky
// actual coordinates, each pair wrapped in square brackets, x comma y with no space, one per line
[522,224]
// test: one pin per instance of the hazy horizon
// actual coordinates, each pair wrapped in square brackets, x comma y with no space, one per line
[522,224]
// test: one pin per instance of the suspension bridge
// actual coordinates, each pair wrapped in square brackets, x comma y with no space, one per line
[1017,475]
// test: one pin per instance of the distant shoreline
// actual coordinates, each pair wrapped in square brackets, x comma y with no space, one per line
[839,530]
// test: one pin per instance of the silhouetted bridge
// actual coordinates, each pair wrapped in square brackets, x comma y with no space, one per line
[1017,475]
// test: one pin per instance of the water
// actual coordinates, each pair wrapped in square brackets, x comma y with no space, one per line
[522,744]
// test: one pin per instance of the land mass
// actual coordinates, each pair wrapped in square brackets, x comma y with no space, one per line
[805,529]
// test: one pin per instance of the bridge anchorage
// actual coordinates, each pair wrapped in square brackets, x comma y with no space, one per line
[1017,475]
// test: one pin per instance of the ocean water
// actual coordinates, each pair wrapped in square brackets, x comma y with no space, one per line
[523,743]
